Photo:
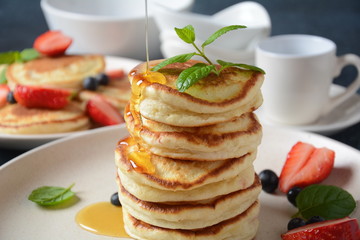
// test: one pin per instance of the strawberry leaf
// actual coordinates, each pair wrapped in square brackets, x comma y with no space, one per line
[187,34]
[192,75]
[178,58]
[329,202]
[221,32]
[240,65]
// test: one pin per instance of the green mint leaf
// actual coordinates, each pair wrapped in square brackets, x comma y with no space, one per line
[48,196]
[3,75]
[187,34]
[192,75]
[29,54]
[329,202]
[9,57]
[221,32]
[240,65]
[178,58]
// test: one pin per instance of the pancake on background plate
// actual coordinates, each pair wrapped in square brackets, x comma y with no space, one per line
[17,119]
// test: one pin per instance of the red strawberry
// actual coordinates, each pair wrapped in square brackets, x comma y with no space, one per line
[339,229]
[115,74]
[102,112]
[40,97]
[4,90]
[305,165]
[52,43]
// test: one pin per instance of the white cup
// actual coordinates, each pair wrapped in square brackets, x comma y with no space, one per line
[299,72]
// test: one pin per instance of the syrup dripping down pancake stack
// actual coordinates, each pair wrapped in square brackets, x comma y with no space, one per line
[186,170]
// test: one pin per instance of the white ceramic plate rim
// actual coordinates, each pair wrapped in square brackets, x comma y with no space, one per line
[18,140]
[87,159]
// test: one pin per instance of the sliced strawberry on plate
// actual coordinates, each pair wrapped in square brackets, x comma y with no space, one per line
[4,90]
[41,97]
[115,73]
[102,112]
[52,43]
[305,165]
[339,229]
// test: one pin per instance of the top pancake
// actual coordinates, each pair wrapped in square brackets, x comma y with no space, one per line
[67,71]
[234,88]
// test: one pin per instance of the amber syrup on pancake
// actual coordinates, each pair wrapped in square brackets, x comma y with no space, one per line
[140,159]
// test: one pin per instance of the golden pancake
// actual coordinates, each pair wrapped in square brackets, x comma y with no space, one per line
[239,88]
[241,227]
[16,119]
[67,71]
[190,215]
[224,140]
[145,192]
[171,174]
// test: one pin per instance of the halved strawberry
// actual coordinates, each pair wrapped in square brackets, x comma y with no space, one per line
[41,97]
[52,43]
[339,229]
[4,90]
[305,165]
[102,112]
[115,73]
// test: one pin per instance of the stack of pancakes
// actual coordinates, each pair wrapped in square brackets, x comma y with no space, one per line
[186,171]
[64,72]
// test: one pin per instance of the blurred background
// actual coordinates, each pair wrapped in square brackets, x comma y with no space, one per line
[22,21]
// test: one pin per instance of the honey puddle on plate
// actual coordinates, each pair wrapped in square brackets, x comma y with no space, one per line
[102,218]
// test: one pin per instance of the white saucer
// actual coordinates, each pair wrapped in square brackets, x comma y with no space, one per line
[346,115]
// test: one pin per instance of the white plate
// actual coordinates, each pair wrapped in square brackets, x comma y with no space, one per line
[345,115]
[12,141]
[88,161]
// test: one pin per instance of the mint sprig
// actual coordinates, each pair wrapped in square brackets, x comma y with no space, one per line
[10,57]
[49,196]
[192,75]
[329,202]
[18,56]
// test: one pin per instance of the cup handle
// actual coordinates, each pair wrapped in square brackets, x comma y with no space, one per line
[342,61]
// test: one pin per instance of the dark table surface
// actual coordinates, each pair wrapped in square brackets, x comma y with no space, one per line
[21,21]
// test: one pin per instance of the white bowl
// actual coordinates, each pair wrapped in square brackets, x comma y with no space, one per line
[109,27]
[250,14]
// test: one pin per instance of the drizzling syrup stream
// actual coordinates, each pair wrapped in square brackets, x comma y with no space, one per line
[103,218]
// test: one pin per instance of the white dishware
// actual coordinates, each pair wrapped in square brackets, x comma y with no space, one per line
[109,27]
[88,161]
[299,72]
[250,14]
[344,116]
[28,141]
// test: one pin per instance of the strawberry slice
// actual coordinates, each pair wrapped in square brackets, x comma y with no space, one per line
[305,165]
[102,112]
[41,97]
[4,90]
[338,229]
[52,43]
[115,73]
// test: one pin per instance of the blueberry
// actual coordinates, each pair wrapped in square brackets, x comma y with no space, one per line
[295,223]
[115,199]
[10,98]
[269,180]
[315,219]
[90,83]
[102,79]
[292,194]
